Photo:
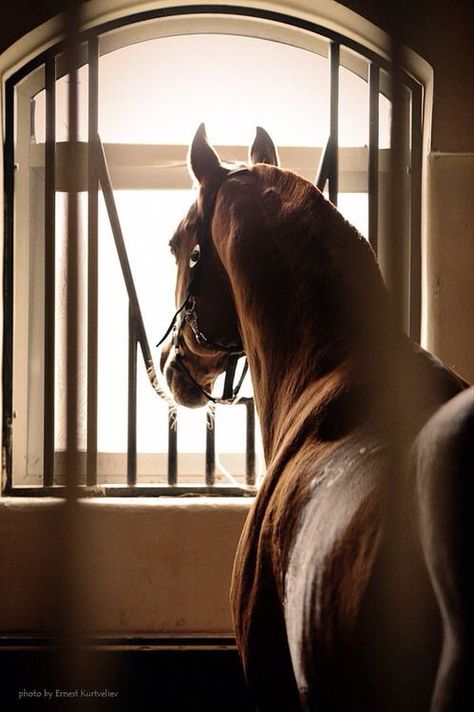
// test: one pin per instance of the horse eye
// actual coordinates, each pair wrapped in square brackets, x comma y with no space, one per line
[194,256]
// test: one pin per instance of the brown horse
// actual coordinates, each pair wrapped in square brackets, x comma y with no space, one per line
[350,589]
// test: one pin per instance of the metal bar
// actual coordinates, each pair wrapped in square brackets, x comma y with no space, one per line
[172,446]
[211,445]
[73,280]
[373,168]
[7,375]
[49,273]
[140,490]
[132,401]
[250,444]
[23,642]
[395,247]
[106,185]
[415,216]
[322,173]
[93,264]
[334,121]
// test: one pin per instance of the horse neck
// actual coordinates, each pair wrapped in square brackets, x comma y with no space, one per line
[312,318]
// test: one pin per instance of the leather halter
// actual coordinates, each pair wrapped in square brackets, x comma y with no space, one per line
[186,312]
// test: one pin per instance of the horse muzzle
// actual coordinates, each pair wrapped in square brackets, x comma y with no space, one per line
[185,392]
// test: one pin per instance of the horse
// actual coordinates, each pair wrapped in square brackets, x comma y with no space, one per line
[350,588]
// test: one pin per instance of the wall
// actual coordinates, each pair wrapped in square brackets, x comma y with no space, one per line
[157,567]
[443,34]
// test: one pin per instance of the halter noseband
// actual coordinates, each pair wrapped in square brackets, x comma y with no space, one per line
[186,313]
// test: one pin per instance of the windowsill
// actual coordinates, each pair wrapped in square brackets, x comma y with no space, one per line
[159,567]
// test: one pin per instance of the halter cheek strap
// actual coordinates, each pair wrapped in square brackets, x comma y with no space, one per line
[186,312]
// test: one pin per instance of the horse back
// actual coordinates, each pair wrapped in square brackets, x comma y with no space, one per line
[337,573]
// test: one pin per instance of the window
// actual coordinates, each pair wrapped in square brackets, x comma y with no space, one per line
[146,83]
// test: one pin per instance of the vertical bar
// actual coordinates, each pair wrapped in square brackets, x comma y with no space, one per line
[211,445]
[172,446]
[396,254]
[415,222]
[7,376]
[334,122]
[49,272]
[93,262]
[373,168]
[73,280]
[132,400]
[250,444]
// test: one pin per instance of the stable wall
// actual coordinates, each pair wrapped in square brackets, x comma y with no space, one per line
[144,567]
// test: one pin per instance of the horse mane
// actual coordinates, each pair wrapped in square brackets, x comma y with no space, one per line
[308,288]
[335,278]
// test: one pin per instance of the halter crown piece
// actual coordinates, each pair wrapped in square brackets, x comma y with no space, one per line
[186,312]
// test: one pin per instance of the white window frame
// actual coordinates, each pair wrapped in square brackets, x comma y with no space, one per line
[135,166]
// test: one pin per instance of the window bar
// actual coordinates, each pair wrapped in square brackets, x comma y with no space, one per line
[93,269]
[322,173]
[334,121]
[250,443]
[415,223]
[373,168]
[211,445]
[106,185]
[394,265]
[73,264]
[8,286]
[132,400]
[172,446]
[140,333]
[49,272]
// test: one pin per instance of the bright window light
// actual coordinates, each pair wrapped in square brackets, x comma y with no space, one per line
[156,93]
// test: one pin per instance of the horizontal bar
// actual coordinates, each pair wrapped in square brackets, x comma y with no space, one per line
[25,642]
[137,491]
[162,167]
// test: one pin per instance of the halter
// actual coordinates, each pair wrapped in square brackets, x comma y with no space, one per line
[186,312]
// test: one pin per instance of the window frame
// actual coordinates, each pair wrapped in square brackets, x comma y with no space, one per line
[252,22]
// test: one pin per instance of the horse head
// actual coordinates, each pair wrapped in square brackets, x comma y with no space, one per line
[206,338]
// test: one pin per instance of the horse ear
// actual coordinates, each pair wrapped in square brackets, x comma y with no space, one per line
[263,150]
[202,159]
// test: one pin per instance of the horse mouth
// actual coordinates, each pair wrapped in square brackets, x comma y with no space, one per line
[185,392]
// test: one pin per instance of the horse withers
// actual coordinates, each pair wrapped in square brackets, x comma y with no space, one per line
[351,587]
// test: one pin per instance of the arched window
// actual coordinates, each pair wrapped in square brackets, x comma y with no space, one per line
[145,83]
